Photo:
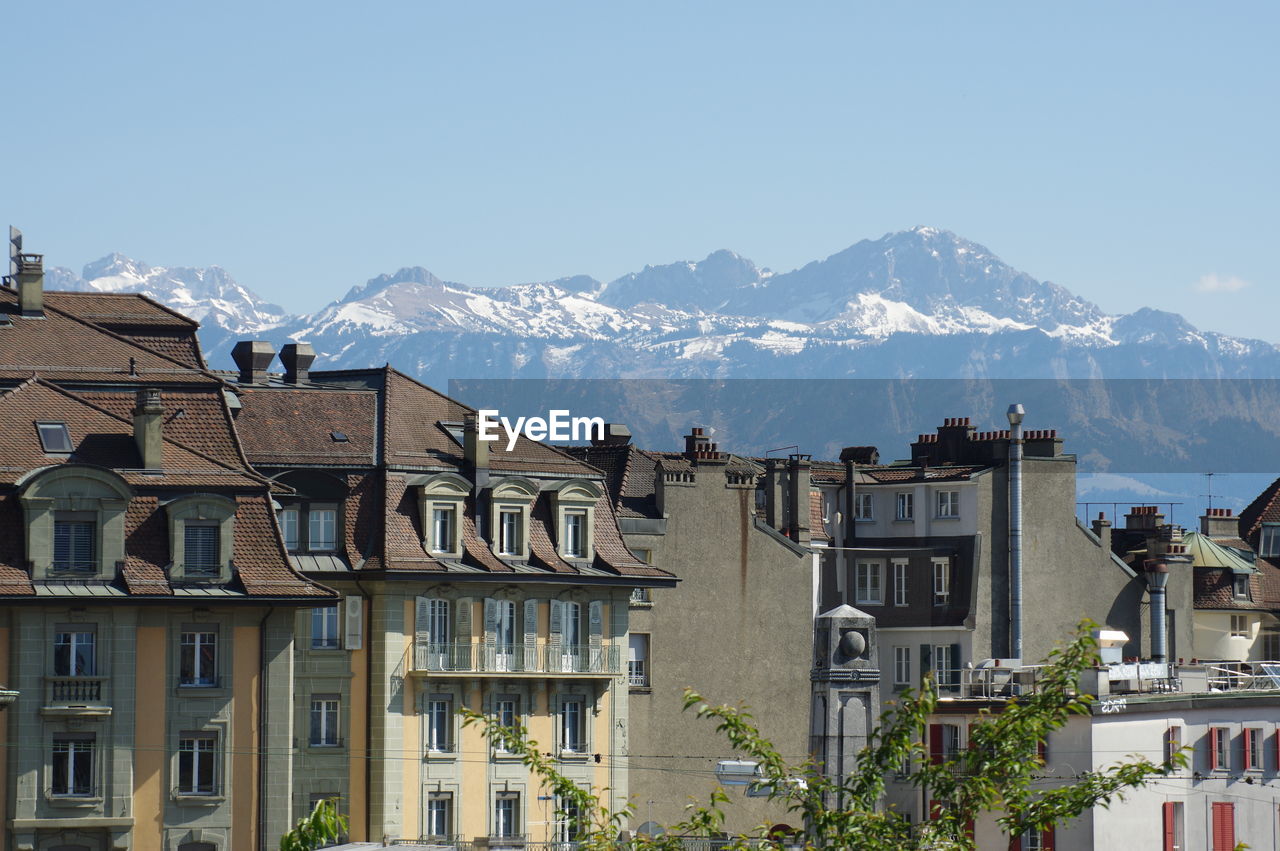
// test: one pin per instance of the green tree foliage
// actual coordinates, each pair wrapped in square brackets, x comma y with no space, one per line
[324,826]
[998,773]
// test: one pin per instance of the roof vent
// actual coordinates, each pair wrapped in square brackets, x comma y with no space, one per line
[253,357]
[297,359]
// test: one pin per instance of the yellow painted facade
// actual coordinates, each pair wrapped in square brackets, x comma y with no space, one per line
[357,803]
[149,741]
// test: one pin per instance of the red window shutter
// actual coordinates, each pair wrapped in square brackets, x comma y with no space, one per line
[1224,826]
[1042,750]
[1247,740]
[1213,748]
[1048,840]
[935,810]
[969,828]
[1015,843]
[935,744]
[1169,838]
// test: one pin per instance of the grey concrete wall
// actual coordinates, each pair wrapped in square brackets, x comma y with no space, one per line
[738,628]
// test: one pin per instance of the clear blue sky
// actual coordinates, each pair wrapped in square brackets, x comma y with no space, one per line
[1125,150]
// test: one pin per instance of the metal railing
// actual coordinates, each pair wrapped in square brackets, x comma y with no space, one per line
[542,658]
[1263,675]
[74,690]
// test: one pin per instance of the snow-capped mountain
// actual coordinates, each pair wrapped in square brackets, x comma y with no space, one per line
[922,303]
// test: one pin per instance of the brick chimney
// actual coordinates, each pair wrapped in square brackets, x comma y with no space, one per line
[698,446]
[1143,518]
[253,357]
[297,359]
[1220,523]
[147,428]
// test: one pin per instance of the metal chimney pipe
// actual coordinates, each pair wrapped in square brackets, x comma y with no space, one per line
[1157,581]
[1015,414]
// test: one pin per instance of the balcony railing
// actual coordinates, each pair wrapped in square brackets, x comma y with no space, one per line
[74,691]
[492,658]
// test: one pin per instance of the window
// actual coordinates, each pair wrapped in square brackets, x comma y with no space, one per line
[198,659]
[1219,748]
[1271,645]
[638,660]
[899,582]
[569,827]
[1172,742]
[72,766]
[868,582]
[946,665]
[507,712]
[906,506]
[1239,626]
[575,534]
[442,524]
[322,525]
[1251,738]
[1241,587]
[1173,826]
[73,542]
[438,634]
[944,742]
[941,582]
[440,724]
[509,533]
[440,814]
[289,527]
[571,726]
[863,507]
[1269,542]
[54,438]
[324,721]
[642,555]
[324,628]
[641,596]
[506,814]
[1037,840]
[200,548]
[197,766]
[74,652]
[948,503]
[902,666]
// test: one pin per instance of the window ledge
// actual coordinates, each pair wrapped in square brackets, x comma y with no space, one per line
[191,799]
[864,520]
[73,800]
[503,756]
[641,604]
[946,517]
[574,756]
[442,756]
[340,746]
[201,691]
[641,689]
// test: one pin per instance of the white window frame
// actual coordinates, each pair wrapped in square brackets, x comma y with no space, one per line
[322,518]
[868,583]
[510,533]
[902,666]
[439,721]
[289,526]
[329,732]
[948,504]
[864,506]
[439,809]
[202,745]
[638,660]
[944,675]
[1240,626]
[904,505]
[506,712]
[324,628]
[575,533]
[1269,540]
[197,639]
[942,581]
[901,569]
[572,723]
[1223,738]
[78,747]
[506,819]
[444,525]
[78,638]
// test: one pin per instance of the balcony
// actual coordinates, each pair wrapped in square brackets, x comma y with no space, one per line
[543,659]
[76,696]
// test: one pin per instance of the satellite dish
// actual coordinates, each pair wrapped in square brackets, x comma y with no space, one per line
[650,828]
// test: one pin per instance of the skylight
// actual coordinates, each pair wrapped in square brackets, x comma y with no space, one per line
[54,437]
[339,436]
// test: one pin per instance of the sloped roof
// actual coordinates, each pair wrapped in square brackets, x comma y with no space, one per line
[296,426]
[1265,508]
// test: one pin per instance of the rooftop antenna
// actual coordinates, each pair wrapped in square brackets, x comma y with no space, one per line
[1208,478]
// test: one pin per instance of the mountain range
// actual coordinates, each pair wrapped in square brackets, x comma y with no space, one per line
[918,303]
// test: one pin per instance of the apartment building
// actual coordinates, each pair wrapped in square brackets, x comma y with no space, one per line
[924,546]
[471,576]
[738,629]
[147,603]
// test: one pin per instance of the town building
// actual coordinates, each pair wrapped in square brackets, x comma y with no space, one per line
[147,604]
[472,577]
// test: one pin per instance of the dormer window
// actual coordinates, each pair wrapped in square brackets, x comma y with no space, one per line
[201,530]
[509,532]
[440,505]
[1241,587]
[574,508]
[322,527]
[54,438]
[443,522]
[201,548]
[75,522]
[74,535]
[1269,542]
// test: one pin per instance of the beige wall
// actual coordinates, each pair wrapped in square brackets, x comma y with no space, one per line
[149,740]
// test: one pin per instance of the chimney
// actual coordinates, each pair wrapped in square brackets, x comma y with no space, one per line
[29,279]
[253,357]
[615,434]
[147,431]
[774,510]
[698,446]
[798,497]
[1143,518]
[475,451]
[1102,528]
[1220,523]
[297,359]
[868,455]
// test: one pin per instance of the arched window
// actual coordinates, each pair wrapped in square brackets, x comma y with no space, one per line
[74,517]
[440,504]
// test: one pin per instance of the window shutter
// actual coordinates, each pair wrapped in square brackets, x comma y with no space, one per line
[530,635]
[490,633]
[1213,748]
[353,615]
[926,657]
[420,634]
[1015,843]
[1048,838]
[462,624]
[557,621]
[953,675]
[1224,826]
[595,635]
[935,744]
[1042,750]
[1170,839]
